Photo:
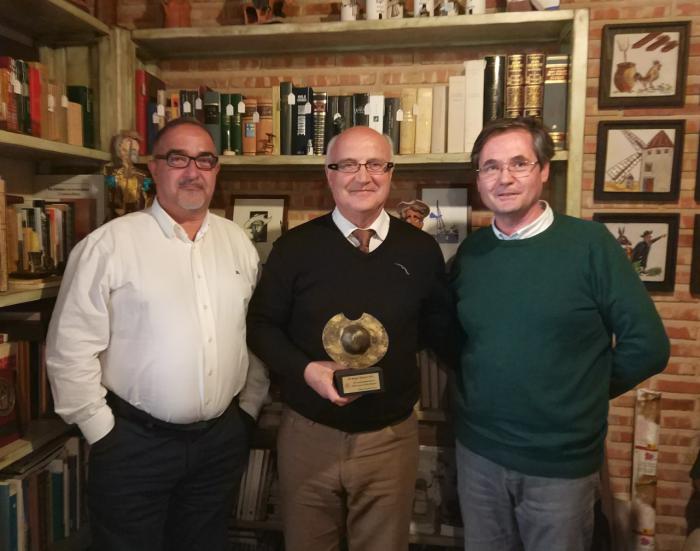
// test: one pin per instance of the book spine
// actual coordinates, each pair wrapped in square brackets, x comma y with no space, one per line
[455,114]
[360,110]
[515,84]
[226,115]
[474,101]
[376,112]
[250,139]
[439,130]
[424,120]
[3,237]
[407,141]
[237,123]
[556,98]
[212,117]
[286,129]
[494,85]
[302,115]
[35,95]
[265,134]
[332,112]
[276,133]
[534,85]
[320,101]
[391,126]
[141,104]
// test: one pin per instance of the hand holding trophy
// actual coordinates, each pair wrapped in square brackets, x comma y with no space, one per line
[358,345]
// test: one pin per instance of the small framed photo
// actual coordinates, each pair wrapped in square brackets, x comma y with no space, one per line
[263,218]
[639,161]
[695,264]
[448,220]
[650,242]
[643,65]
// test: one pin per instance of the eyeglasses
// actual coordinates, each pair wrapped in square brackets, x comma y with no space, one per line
[175,159]
[519,168]
[351,167]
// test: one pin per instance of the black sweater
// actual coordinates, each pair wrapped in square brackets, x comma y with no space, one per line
[314,273]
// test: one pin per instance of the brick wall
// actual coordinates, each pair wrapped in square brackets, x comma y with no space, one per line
[388,71]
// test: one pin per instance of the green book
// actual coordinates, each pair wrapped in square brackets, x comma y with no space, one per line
[237,125]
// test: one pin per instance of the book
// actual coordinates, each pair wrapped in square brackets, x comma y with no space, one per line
[338,117]
[438,139]
[455,114]
[360,112]
[276,120]
[237,123]
[36,94]
[226,115]
[3,236]
[534,85]
[24,117]
[302,120]
[83,96]
[11,95]
[250,127]
[515,85]
[407,139]
[8,415]
[212,118]
[555,99]
[320,104]
[75,124]
[286,128]
[473,100]
[494,87]
[391,126]
[424,120]
[265,134]
[8,515]
[375,112]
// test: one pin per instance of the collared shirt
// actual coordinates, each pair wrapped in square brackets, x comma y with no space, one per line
[380,227]
[535,227]
[157,318]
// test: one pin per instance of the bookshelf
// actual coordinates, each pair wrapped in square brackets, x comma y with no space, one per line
[31,148]
[41,433]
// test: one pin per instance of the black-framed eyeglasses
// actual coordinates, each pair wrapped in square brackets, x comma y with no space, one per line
[350,166]
[177,159]
[519,168]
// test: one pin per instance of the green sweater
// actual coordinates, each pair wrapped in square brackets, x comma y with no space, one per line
[537,365]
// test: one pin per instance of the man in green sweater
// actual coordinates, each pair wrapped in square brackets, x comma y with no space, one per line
[556,322]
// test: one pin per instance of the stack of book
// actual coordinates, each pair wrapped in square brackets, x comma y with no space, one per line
[257,496]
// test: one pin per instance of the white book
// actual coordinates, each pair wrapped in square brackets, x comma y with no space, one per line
[474,100]
[424,120]
[439,134]
[455,114]
[376,112]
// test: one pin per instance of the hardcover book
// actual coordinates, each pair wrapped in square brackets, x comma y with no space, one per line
[534,85]
[303,120]
[424,120]
[438,138]
[407,140]
[265,134]
[456,114]
[474,101]
[320,104]
[8,399]
[286,127]
[515,85]
[359,109]
[391,126]
[212,117]
[375,112]
[556,98]
[494,87]
[250,127]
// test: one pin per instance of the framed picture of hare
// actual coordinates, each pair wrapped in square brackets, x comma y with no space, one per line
[643,65]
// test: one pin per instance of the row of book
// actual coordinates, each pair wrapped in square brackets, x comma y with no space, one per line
[298,120]
[433,381]
[37,234]
[258,494]
[32,103]
[40,503]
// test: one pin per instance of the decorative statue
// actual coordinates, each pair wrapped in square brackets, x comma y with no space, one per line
[128,186]
[413,212]
[177,13]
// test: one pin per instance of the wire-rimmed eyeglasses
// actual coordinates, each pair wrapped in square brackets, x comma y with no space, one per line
[177,159]
[518,168]
[350,167]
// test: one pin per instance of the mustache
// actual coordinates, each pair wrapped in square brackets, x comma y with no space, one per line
[190,181]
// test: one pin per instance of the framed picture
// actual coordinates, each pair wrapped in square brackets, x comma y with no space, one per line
[650,242]
[448,220]
[695,265]
[639,160]
[643,65]
[263,218]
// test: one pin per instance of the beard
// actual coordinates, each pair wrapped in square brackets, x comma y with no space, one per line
[191,194]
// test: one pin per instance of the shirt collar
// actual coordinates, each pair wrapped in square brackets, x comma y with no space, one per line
[172,229]
[537,226]
[380,225]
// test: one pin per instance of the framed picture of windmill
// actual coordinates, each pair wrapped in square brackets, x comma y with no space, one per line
[643,65]
[448,219]
[638,161]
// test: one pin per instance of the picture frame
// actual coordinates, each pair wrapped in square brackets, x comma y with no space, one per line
[639,161]
[262,217]
[643,65]
[695,263]
[655,262]
[448,220]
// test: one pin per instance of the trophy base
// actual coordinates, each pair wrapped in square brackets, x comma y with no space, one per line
[355,382]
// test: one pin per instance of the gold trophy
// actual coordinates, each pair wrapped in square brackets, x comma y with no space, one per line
[358,345]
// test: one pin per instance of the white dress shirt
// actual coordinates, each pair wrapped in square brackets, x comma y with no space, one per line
[537,226]
[157,318]
[380,227]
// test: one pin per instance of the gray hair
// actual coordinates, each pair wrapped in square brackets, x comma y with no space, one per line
[541,140]
[331,144]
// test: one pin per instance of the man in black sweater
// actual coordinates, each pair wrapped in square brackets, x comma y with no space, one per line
[347,465]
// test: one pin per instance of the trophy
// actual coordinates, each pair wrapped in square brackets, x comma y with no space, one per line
[358,345]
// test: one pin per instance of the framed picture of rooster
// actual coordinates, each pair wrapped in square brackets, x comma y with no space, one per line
[643,65]
[639,161]
[650,241]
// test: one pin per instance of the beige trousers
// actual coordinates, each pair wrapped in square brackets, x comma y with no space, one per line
[334,483]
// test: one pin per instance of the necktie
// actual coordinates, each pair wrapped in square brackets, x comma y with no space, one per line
[363,236]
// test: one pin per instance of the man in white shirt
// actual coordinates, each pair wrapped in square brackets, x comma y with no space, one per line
[147,354]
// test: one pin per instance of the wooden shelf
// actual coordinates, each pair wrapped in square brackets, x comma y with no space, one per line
[446,32]
[9,298]
[51,22]
[23,146]
[436,161]
[40,433]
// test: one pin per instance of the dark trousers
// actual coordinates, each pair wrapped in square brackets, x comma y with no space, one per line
[152,488]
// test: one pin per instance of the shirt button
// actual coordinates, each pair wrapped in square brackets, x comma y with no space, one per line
[199,276]
[210,339]
[210,372]
[205,306]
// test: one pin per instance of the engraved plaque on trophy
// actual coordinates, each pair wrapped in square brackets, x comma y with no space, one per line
[358,345]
